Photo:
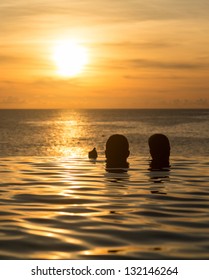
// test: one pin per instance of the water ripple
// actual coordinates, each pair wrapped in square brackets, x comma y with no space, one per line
[58,208]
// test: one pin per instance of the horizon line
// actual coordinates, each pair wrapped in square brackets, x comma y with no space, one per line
[171,108]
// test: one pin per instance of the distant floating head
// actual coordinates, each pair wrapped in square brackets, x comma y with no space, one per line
[93,154]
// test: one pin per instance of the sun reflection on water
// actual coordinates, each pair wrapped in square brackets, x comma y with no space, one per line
[69,136]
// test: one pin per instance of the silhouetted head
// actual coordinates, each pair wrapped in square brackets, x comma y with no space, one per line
[93,154]
[117,151]
[160,150]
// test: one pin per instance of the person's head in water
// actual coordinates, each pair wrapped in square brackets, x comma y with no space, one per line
[160,150]
[117,151]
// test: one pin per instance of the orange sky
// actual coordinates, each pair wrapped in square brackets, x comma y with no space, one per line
[142,54]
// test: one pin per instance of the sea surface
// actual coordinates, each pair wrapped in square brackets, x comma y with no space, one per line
[55,203]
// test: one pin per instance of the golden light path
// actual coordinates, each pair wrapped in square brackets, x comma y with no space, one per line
[70,58]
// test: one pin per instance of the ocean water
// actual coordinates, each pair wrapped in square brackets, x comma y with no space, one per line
[58,204]
[73,133]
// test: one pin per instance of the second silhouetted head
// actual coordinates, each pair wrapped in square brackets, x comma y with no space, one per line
[159,146]
[117,151]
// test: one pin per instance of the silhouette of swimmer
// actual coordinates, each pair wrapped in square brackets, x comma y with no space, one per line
[117,152]
[93,154]
[160,151]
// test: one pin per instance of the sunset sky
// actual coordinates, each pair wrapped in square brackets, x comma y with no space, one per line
[141,54]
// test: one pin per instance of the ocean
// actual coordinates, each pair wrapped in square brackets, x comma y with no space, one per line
[58,204]
[73,132]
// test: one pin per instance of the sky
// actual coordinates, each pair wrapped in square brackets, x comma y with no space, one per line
[141,54]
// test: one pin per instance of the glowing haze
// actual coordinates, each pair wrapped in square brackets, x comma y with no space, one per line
[104,54]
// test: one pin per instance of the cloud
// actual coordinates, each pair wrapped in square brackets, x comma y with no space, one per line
[8,59]
[176,65]
[24,61]
[108,10]
[189,103]
[11,99]
[137,44]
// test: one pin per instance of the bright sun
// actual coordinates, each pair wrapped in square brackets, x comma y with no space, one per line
[70,58]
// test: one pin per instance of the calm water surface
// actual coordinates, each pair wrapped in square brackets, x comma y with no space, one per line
[56,204]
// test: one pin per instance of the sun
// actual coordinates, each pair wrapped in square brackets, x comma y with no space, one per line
[70,58]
